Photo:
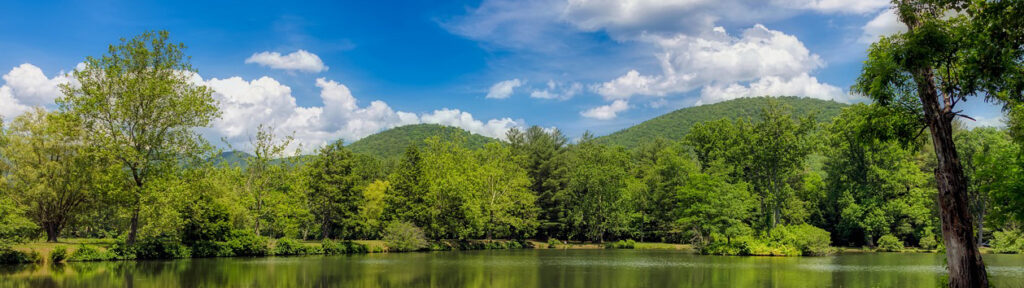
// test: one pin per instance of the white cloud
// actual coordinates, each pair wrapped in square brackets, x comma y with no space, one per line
[715,58]
[247,104]
[835,6]
[802,85]
[558,91]
[884,24]
[606,112]
[26,86]
[300,60]
[503,89]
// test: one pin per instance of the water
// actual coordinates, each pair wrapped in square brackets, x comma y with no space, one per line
[516,268]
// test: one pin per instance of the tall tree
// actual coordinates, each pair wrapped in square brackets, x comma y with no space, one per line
[263,176]
[406,199]
[985,152]
[596,180]
[334,191]
[952,50]
[53,173]
[544,156]
[453,209]
[503,192]
[139,105]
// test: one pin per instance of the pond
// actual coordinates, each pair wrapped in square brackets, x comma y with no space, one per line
[516,268]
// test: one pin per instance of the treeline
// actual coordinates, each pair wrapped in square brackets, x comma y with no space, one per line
[120,159]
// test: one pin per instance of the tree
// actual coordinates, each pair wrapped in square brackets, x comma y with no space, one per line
[334,192]
[264,177]
[54,174]
[874,185]
[406,199]
[711,207]
[985,152]
[952,50]
[139,105]
[507,202]
[661,168]
[596,180]
[543,153]
[371,212]
[453,209]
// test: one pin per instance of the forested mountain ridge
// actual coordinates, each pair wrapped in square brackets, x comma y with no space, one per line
[676,124]
[392,143]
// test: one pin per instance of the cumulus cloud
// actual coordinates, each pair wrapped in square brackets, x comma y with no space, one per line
[503,89]
[558,91]
[802,85]
[715,58]
[300,60]
[26,86]
[884,24]
[247,104]
[836,6]
[606,112]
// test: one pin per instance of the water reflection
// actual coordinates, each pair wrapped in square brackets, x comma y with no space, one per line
[520,268]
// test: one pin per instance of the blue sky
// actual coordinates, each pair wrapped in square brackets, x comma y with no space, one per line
[330,70]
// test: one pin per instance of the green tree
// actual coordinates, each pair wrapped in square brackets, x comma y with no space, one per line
[596,180]
[264,178]
[711,208]
[991,167]
[952,50]
[661,168]
[543,153]
[503,192]
[453,208]
[139,105]
[54,174]
[373,208]
[334,191]
[406,199]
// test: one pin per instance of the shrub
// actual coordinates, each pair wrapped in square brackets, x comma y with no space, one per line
[621,244]
[11,256]
[553,243]
[90,253]
[211,249]
[806,239]
[161,247]
[288,246]
[333,247]
[890,243]
[245,243]
[59,254]
[404,236]
[927,242]
[1007,241]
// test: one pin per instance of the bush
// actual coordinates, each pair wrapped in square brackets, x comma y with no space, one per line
[621,244]
[90,253]
[203,249]
[807,239]
[161,247]
[927,242]
[1007,241]
[342,247]
[890,243]
[404,236]
[288,246]
[59,254]
[553,243]
[11,256]
[245,243]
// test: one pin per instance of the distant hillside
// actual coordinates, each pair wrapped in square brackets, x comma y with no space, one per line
[393,142]
[675,125]
[233,158]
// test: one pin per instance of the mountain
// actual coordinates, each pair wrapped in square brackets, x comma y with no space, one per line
[233,158]
[392,143]
[674,125]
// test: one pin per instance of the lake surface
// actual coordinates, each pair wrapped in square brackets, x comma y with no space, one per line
[516,268]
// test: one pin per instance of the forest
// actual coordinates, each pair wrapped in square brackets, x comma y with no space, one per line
[120,158]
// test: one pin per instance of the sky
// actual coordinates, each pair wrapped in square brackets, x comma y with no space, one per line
[323,71]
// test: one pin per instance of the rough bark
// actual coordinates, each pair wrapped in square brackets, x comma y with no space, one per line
[966,268]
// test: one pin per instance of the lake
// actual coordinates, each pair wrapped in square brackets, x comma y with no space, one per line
[516,268]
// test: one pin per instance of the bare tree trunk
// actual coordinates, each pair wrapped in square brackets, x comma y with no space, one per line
[134,225]
[966,268]
[52,231]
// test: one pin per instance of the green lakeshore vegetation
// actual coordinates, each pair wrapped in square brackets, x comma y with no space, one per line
[119,172]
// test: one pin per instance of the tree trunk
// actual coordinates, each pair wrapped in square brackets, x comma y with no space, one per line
[52,231]
[134,225]
[966,268]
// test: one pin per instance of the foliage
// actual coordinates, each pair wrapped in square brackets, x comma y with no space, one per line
[393,142]
[247,243]
[11,256]
[161,247]
[621,244]
[553,243]
[927,242]
[331,247]
[59,254]
[807,239]
[595,203]
[139,105]
[333,191]
[288,246]
[404,236]
[91,253]
[890,243]
[1008,241]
